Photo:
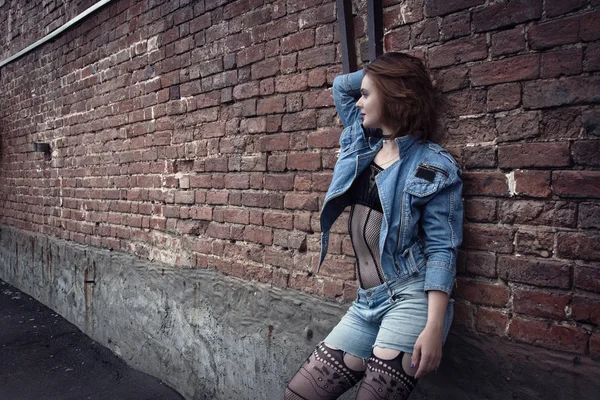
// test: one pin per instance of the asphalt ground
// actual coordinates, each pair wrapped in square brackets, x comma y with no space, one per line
[43,356]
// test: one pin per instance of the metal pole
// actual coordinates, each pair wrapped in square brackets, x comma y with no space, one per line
[375,28]
[344,12]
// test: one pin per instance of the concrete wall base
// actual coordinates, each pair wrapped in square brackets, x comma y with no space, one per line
[215,337]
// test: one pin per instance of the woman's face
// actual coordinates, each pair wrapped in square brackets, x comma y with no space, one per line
[370,104]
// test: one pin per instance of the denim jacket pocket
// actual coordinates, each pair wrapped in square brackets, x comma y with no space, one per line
[421,187]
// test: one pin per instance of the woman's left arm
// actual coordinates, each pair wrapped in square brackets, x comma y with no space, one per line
[441,220]
[427,354]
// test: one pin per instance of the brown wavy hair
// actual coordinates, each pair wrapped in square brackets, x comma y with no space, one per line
[410,101]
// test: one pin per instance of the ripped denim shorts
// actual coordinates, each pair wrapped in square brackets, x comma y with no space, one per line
[391,315]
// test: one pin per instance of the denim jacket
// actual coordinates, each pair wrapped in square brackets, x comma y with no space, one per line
[420,196]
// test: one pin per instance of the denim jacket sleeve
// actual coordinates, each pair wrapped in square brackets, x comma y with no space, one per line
[346,92]
[441,242]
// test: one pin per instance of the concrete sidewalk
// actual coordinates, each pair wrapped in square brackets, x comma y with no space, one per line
[43,356]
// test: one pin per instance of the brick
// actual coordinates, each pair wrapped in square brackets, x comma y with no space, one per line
[480,210]
[187,197]
[563,123]
[434,8]
[554,8]
[532,183]
[449,79]
[586,308]
[295,201]
[298,41]
[576,183]
[250,55]
[265,68]
[551,336]
[554,33]
[245,90]
[591,60]
[336,268]
[479,156]
[315,16]
[253,125]
[540,304]
[318,98]
[486,237]
[504,97]
[275,142]
[575,245]
[263,200]
[591,122]
[237,181]
[479,263]
[304,161]
[505,13]
[328,138]
[481,292]
[571,90]
[491,321]
[589,216]
[585,152]
[408,13]
[458,51]
[425,31]
[456,25]
[258,234]
[398,39]
[485,183]
[312,58]
[465,102]
[538,213]
[563,62]
[534,243]
[291,83]
[471,130]
[464,314]
[508,41]
[524,125]
[588,29]
[219,231]
[279,220]
[535,271]
[317,77]
[518,68]
[526,155]
[587,278]
[273,123]
[271,105]
[299,121]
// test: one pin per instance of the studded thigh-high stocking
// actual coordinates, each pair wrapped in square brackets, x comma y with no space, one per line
[323,376]
[386,380]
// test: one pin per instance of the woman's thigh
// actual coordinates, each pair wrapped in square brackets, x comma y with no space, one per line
[354,334]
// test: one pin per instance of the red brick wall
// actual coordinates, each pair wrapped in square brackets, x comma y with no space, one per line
[25,22]
[203,135]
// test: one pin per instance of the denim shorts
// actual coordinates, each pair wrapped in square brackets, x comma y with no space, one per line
[391,315]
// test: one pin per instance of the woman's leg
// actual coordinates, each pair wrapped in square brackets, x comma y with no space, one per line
[325,375]
[388,376]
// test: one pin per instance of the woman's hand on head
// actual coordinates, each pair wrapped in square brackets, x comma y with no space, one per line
[427,354]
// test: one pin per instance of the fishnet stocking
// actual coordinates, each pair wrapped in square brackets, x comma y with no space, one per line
[323,376]
[386,380]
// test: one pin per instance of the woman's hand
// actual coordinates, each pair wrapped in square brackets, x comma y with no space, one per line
[428,351]
[428,348]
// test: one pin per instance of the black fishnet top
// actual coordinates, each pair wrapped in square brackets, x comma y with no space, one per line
[364,226]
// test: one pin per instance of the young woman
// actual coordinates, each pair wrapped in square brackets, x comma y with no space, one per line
[405,226]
